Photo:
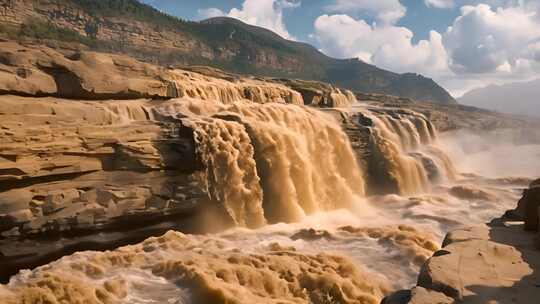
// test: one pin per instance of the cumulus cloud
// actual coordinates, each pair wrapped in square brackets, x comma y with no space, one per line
[263,13]
[386,46]
[484,44]
[386,11]
[483,40]
[530,4]
[210,13]
[439,3]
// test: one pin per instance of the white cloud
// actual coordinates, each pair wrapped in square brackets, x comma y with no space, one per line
[263,13]
[485,44]
[210,13]
[492,46]
[386,11]
[529,4]
[387,46]
[481,39]
[440,3]
[482,46]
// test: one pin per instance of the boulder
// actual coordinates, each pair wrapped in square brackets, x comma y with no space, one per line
[479,265]
[530,204]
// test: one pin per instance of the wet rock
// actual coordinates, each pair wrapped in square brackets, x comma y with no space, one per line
[398,297]
[530,204]
[72,167]
[320,94]
[528,208]
[311,235]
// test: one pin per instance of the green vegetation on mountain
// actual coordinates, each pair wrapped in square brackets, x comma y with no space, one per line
[46,30]
[131,27]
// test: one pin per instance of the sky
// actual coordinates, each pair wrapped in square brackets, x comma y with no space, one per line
[461,44]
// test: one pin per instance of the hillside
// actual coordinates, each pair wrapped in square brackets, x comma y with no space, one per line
[515,98]
[130,27]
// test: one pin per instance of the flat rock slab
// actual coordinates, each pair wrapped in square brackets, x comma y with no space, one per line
[483,265]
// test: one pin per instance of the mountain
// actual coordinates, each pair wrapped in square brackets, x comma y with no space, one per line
[521,98]
[136,29]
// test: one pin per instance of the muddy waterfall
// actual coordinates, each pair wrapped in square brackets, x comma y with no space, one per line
[275,163]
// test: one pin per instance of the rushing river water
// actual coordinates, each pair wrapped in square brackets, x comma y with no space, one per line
[308,228]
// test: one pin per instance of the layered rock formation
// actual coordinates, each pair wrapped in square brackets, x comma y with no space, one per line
[321,94]
[34,70]
[397,148]
[77,167]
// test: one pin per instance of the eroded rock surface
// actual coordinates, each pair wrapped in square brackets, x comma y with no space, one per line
[78,167]
[480,265]
[37,70]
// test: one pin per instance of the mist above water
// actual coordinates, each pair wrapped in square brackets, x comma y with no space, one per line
[499,153]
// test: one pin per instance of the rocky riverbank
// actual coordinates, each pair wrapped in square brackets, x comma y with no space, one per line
[495,263]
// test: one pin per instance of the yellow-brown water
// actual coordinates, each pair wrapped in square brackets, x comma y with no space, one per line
[289,173]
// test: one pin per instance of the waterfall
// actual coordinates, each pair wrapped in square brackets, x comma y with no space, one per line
[268,163]
[276,162]
[405,145]
[304,158]
[225,148]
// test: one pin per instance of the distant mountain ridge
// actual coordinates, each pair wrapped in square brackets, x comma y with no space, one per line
[139,30]
[522,98]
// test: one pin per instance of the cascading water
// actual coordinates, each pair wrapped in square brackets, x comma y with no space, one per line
[304,158]
[278,163]
[301,157]
[405,144]
[226,149]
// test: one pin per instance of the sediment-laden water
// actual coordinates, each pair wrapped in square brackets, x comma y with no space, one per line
[306,227]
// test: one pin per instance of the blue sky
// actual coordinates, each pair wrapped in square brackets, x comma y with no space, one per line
[462,44]
[420,18]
